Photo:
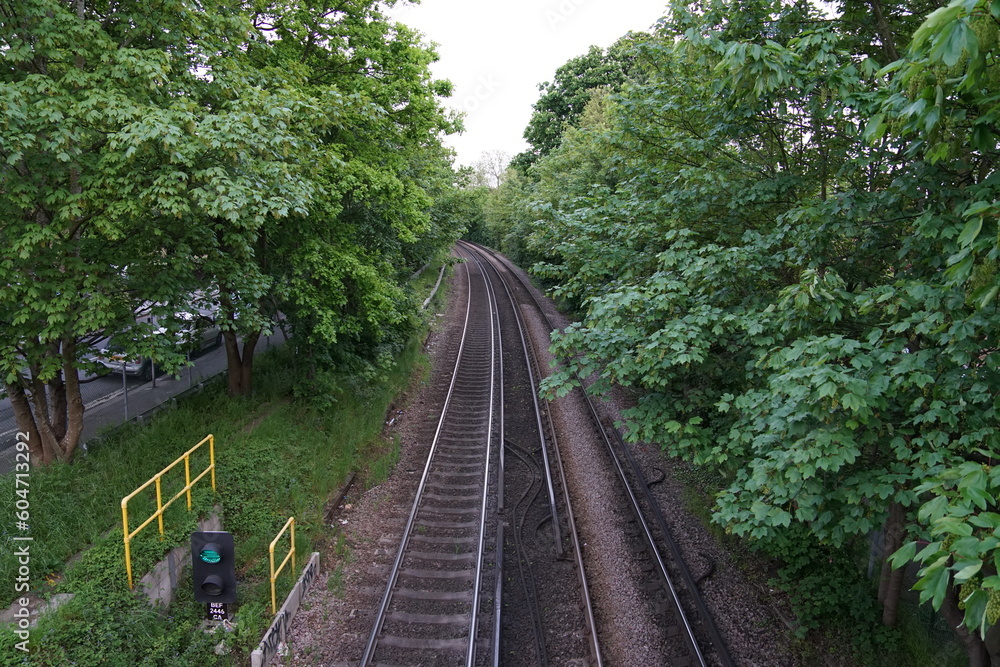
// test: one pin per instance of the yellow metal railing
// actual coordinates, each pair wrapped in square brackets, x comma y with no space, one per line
[160,505]
[291,554]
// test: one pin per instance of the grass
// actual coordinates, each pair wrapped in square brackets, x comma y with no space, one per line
[276,457]
[927,639]
[342,557]
[383,461]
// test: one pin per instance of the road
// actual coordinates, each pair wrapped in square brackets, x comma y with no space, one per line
[105,398]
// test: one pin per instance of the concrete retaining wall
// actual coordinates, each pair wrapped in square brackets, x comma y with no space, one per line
[278,631]
[159,584]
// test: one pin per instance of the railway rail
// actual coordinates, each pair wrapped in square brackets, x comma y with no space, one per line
[430,612]
[543,559]
[445,593]
[697,640]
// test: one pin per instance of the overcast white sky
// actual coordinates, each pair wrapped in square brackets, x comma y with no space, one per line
[496,54]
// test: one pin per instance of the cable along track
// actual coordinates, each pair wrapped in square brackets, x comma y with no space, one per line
[696,639]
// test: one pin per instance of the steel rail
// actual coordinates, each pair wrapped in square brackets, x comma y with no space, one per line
[500,494]
[590,620]
[707,621]
[718,643]
[497,357]
[650,539]
[527,581]
[407,531]
[501,468]
[533,383]
[538,414]
[595,648]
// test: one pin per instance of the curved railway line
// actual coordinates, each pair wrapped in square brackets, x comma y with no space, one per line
[467,557]
[695,638]
[543,557]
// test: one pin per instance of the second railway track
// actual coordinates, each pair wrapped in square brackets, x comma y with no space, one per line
[548,617]
[694,639]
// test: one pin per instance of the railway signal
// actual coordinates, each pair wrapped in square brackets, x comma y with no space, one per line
[213,567]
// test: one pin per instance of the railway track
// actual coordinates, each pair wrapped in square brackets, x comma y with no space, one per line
[448,598]
[431,610]
[695,639]
[542,560]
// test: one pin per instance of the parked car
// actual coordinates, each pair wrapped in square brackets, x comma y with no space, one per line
[113,358]
[199,332]
[196,333]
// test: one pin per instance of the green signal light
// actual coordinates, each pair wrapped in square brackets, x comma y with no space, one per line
[210,556]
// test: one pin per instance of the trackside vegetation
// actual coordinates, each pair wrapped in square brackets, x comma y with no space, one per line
[277,456]
[244,164]
[781,232]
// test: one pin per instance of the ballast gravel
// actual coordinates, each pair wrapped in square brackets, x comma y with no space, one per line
[333,624]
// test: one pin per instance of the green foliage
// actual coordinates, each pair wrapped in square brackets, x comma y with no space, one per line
[388,206]
[125,626]
[825,586]
[786,245]
[276,458]
[107,624]
[563,100]
[468,204]
[134,147]
[257,167]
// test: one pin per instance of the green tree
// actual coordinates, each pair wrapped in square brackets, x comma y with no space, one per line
[507,217]
[338,273]
[466,202]
[796,304]
[563,99]
[941,110]
[122,131]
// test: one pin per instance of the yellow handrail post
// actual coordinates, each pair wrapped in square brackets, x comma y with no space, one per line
[128,552]
[291,554]
[159,506]
[187,479]
[211,457]
[274,602]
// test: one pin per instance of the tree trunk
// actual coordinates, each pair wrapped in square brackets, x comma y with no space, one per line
[993,645]
[56,395]
[890,605]
[975,648]
[234,363]
[240,363]
[43,420]
[891,581]
[888,43]
[51,413]
[246,369]
[26,423]
[72,402]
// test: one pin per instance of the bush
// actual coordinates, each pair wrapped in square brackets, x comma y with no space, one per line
[828,592]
